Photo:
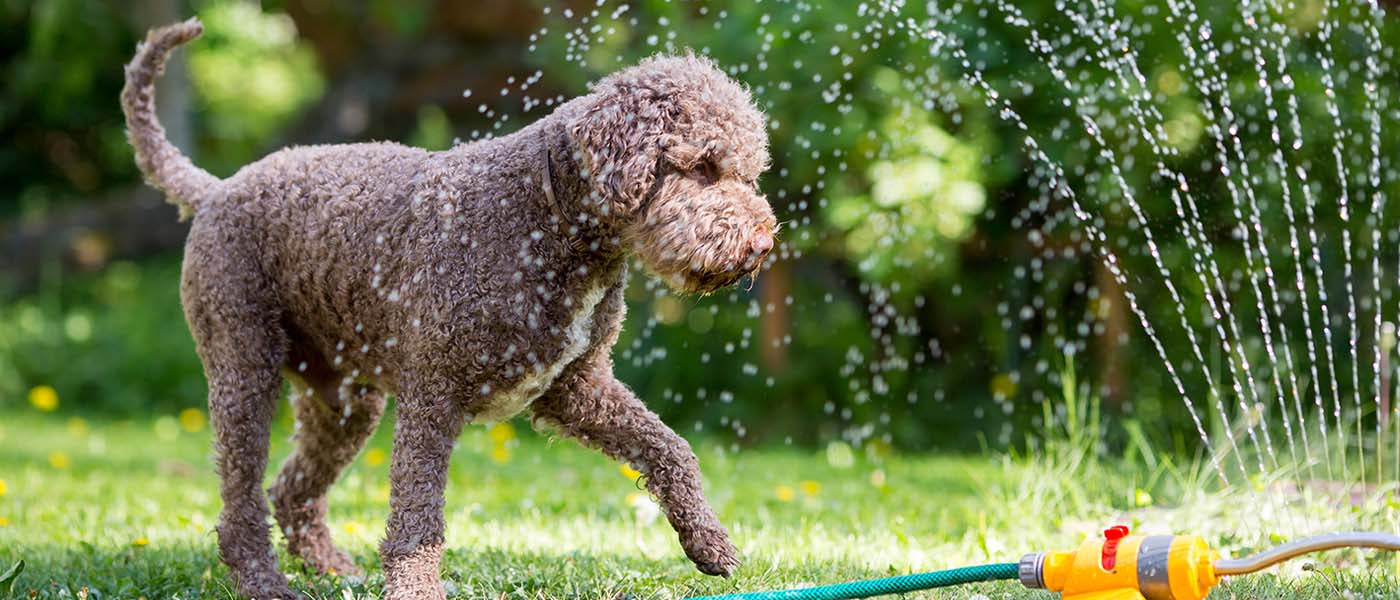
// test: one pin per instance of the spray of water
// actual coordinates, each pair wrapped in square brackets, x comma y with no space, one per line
[1252,269]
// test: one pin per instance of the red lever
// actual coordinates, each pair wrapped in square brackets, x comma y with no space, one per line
[1112,536]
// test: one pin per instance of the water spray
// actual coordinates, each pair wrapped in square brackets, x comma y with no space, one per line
[1118,566]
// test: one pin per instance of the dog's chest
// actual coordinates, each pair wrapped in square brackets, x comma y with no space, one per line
[574,341]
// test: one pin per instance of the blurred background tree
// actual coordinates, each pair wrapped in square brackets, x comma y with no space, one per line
[924,295]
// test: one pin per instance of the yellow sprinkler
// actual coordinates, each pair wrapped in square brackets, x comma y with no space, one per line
[1118,566]
[1126,567]
[1163,567]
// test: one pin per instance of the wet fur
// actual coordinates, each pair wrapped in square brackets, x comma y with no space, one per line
[450,280]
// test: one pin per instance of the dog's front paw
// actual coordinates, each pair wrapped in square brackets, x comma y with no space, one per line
[711,551]
[414,575]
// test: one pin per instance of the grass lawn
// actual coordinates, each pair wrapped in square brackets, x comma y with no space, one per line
[125,510]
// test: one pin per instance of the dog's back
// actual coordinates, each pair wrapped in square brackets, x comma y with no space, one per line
[370,247]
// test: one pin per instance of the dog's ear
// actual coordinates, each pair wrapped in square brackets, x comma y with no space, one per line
[621,135]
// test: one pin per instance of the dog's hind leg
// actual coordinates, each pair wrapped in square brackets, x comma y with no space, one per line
[334,420]
[599,411]
[242,345]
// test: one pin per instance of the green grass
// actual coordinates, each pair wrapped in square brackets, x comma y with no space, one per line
[129,514]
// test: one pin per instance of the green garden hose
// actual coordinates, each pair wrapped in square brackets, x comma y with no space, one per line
[901,584]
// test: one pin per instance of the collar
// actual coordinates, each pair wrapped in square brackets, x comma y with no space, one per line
[564,225]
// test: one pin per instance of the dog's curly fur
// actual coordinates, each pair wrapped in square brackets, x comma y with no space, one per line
[472,284]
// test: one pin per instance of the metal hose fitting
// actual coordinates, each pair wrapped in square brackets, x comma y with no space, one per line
[1029,570]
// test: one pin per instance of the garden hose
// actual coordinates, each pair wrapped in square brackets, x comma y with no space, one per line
[1117,566]
[901,584]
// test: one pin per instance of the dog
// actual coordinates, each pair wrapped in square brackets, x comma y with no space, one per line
[473,284]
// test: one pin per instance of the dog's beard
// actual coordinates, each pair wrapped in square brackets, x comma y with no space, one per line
[700,241]
[706,281]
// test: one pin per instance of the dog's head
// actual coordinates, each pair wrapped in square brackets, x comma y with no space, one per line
[673,149]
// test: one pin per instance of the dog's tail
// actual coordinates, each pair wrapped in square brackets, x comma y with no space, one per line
[164,167]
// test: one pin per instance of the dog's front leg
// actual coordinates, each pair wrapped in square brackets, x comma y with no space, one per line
[599,411]
[424,433]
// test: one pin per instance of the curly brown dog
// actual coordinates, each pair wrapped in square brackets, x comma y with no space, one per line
[472,284]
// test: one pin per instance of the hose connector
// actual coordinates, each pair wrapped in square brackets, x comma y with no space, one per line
[1029,570]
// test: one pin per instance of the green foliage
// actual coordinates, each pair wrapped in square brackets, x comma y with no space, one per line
[58,58]
[924,196]
[434,131]
[251,76]
[62,62]
[116,342]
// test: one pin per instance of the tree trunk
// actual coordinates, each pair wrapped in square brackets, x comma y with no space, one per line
[774,326]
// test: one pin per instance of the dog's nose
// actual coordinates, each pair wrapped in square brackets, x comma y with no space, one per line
[761,242]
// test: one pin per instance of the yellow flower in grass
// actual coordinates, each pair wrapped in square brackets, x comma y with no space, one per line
[375,457]
[502,432]
[353,528]
[77,427]
[60,461]
[140,542]
[500,454]
[4,522]
[809,487]
[192,420]
[2,488]
[629,472]
[1003,386]
[1142,498]
[44,397]
[784,493]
